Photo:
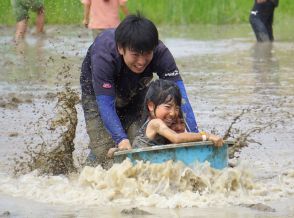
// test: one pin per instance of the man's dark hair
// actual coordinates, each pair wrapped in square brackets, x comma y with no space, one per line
[136,33]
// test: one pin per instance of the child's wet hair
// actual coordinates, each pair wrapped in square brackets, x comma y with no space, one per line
[161,92]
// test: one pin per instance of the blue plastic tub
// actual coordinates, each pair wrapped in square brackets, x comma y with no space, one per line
[188,153]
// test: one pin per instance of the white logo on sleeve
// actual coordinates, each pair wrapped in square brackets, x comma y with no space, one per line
[173,73]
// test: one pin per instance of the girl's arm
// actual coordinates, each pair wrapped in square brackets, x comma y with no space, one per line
[157,126]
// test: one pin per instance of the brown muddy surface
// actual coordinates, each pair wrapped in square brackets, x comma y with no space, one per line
[238,89]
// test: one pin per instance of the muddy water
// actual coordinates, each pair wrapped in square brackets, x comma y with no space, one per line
[237,89]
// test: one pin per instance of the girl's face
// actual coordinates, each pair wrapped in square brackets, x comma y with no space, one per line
[167,112]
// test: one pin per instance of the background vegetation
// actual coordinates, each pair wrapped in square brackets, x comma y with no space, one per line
[160,11]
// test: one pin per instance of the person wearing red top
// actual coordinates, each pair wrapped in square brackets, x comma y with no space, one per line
[102,14]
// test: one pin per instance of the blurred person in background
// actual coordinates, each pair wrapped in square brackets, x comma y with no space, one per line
[21,9]
[102,14]
[261,19]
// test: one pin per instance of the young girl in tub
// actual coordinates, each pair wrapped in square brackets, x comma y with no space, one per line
[164,119]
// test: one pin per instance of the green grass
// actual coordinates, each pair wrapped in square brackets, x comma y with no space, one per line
[160,11]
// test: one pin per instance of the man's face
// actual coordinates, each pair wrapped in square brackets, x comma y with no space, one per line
[136,61]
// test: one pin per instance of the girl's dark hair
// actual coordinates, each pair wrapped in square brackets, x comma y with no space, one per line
[136,33]
[162,91]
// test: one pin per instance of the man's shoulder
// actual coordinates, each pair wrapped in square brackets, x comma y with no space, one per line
[163,59]
[106,39]
[161,46]
[161,51]
[104,45]
[107,33]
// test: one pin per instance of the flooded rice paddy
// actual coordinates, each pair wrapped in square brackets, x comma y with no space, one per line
[238,89]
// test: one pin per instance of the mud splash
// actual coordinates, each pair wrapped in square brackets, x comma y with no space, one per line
[166,180]
[166,185]
[243,137]
[53,157]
